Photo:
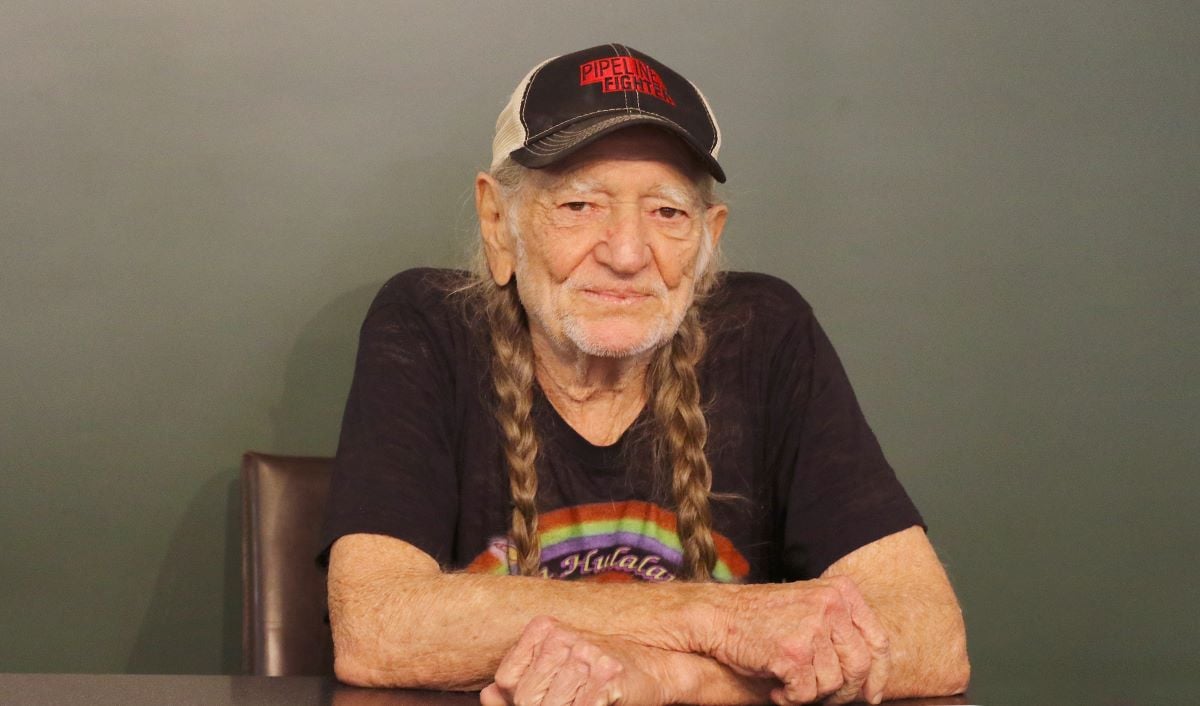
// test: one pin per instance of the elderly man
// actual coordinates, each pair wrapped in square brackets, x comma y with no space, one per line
[598,403]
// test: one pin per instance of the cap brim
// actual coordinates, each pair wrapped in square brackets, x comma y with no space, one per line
[562,143]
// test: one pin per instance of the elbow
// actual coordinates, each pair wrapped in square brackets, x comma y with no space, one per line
[374,614]
[946,672]
[956,672]
[371,667]
[355,662]
[359,657]
[359,663]
[351,670]
[365,655]
[958,676]
[938,664]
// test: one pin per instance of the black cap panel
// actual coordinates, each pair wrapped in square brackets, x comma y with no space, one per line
[585,95]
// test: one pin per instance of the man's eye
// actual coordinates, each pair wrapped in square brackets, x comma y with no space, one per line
[576,206]
[669,212]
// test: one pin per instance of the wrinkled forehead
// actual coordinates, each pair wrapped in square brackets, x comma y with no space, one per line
[572,185]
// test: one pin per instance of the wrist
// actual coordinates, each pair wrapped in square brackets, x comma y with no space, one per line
[695,679]
[718,620]
[705,620]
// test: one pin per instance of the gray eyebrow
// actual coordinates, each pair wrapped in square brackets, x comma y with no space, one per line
[580,185]
[674,193]
[666,191]
[569,183]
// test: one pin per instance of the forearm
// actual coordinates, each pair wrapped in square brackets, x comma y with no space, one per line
[902,580]
[423,628]
[399,621]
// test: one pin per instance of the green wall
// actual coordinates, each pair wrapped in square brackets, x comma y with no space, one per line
[993,207]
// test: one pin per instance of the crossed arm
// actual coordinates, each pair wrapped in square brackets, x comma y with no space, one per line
[882,622]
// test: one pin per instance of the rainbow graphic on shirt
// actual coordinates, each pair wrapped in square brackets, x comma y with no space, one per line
[620,541]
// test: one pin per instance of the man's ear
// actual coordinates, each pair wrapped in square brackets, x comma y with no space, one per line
[498,244]
[714,218]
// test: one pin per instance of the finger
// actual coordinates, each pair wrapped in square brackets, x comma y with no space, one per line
[521,655]
[881,653]
[853,654]
[854,661]
[599,695]
[603,686]
[551,657]
[795,670]
[779,696]
[827,668]
[492,696]
[876,637]
[571,677]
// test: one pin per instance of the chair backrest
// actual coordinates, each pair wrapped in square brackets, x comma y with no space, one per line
[285,629]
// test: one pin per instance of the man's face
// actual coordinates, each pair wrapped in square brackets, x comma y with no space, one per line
[610,244]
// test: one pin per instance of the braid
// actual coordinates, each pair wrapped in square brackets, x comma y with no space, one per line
[512,373]
[684,431]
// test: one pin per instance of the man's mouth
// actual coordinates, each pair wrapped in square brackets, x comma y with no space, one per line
[616,296]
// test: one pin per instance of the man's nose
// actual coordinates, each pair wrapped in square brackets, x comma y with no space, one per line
[626,245]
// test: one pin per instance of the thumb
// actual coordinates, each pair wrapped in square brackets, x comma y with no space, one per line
[491,696]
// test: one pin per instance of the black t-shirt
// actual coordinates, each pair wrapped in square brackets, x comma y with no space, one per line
[420,455]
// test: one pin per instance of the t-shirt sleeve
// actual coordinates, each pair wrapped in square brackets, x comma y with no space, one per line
[394,472]
[840,492]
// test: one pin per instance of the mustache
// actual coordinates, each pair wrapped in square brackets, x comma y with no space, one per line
[657,290]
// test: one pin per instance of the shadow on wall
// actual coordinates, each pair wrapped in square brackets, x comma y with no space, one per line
[417,212]
[192,625]
[308,417]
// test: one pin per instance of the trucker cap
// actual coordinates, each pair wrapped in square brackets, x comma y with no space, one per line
[569,101]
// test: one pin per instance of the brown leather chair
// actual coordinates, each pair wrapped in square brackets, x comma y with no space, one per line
[285,630]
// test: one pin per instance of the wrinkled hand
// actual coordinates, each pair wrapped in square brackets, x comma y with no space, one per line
[819,638]
[553,665]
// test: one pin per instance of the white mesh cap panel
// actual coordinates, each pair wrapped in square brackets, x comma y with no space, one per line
[510,128]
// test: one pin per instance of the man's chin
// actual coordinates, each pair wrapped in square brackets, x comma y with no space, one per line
[621,341]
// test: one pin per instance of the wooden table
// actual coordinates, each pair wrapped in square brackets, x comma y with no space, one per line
[222,690]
